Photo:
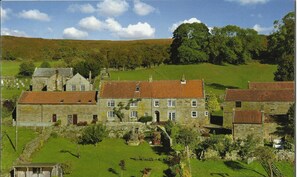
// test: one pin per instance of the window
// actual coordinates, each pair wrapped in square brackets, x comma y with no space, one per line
[54,119]
[36,170]
[206,113]
[171,116]
[133,114]
[82,87]
[133,104]
[171,103]
[110,114]
[194,103]
[110,103]
[95,118]
[73,87]
[238,104]
[194,114]
[156,103]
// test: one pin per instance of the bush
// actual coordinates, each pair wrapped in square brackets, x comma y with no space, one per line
[45,64]
[26,68]
[66,167]
[145,119]
[82,123]
[58,123]
[93,134]
[54,134]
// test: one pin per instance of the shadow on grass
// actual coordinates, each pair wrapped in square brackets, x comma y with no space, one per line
[220,86]
[113,171]
[238,166]
[11,143]
[219,174]
[67,151]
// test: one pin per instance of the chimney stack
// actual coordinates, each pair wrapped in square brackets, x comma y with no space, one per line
[183,80]
[151,78]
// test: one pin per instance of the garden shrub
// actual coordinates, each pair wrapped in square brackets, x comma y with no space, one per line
[82,123]
[93,134]
[54,134]
[145,119]
[66,167]
[58,123]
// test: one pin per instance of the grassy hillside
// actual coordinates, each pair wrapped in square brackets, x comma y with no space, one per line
[217,78]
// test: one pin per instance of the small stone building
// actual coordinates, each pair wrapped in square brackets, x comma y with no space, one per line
[50,79]
[46,108]
[248,122]
[272,102]
[37,170]
[181,101]
[78,83]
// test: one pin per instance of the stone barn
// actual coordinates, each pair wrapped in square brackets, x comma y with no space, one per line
[50,79]
[182,101]
[46,108]
[78,83]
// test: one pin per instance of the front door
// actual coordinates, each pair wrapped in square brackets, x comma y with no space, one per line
[157,114]
[54,119]
[74,119]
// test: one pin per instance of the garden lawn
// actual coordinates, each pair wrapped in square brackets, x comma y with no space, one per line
[217,77]
[9,155]
[100,160]
[212,168]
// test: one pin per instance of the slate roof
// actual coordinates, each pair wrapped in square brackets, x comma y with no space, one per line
[48,72]
[247,117]
[87,97]
[272,85]
[253,95]
[154,89]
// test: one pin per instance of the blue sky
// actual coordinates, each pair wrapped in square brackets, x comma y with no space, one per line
[134,19]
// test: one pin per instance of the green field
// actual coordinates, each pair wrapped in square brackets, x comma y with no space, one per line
[217,77]
[100,160]
[9,154]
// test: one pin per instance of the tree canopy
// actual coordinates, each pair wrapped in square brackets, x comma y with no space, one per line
[26,68]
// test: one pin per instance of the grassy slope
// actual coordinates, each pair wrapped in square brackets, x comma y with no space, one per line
[96,160]
[217,78]
[9,155]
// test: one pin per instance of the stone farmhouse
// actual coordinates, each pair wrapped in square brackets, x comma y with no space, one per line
[78,83]
[180,101]
[243,106]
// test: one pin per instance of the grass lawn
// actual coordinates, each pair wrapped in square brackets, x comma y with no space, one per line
[217,78]
[100,160]
[212,168]
[9,155]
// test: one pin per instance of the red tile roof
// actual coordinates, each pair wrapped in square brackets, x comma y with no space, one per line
[272,85]
[253,95]
[247,117]
[88,97]
[154,89]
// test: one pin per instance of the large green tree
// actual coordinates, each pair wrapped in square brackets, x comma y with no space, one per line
[26,68]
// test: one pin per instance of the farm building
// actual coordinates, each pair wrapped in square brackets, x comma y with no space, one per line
[50,79]
[46,108]
[78,83]
[181,101]
[37,170]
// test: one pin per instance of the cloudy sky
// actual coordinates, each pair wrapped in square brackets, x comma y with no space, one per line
[134,19]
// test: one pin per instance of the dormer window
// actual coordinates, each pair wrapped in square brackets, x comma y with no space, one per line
[79,101]
[62,101]
[238,104]
[137,89]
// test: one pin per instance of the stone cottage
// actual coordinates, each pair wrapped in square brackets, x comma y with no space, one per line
[248,122]
[46,108]
[37,170]
[50,79]
[78,83]
[181,101]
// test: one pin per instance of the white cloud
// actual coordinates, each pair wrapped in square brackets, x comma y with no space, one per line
[73,33]
[4,14]
[142,8]
[257,15]
[112,25]
[34,15]
[10,32]
[112,8]
[84,8]
[175,25]
[246,2]
[49,29]
[137,31]
[91,23]
[262,30]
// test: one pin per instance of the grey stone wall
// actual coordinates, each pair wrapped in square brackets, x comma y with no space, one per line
[241,131]
[271,108]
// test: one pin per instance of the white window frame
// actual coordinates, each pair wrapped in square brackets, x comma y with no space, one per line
[133,114]
[111,103]
[157,101]
[170,114]
[110,114]
[196,112]
[134,104]
[206,113]
[82,86]
[171,102]
[194,101]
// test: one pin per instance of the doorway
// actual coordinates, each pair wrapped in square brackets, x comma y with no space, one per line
[157,114]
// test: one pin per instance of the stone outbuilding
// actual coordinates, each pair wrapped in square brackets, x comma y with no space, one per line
[50,79]
[46,108]
[78,83]
[182,101]
[37,170]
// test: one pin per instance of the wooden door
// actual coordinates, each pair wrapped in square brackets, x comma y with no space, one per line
[54,119]
[74,119]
